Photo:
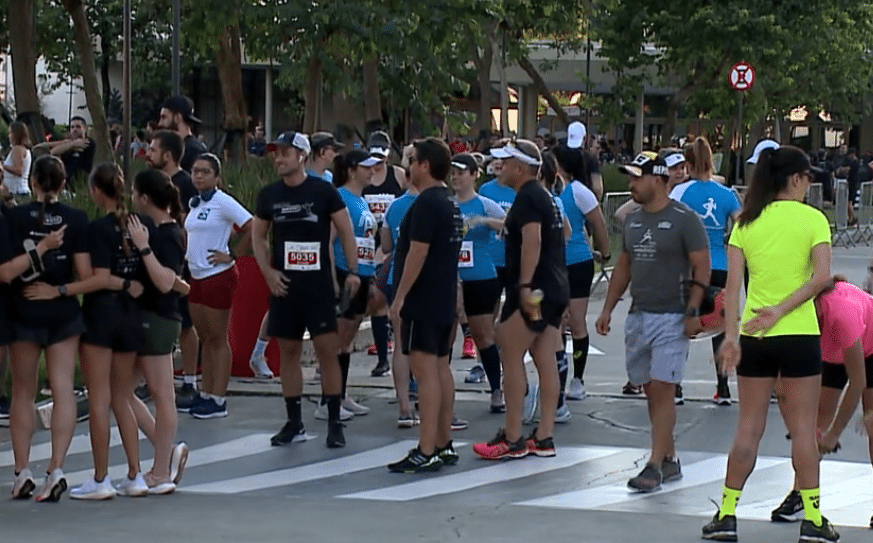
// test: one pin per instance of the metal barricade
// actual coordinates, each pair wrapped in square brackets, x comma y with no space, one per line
[865,213]
[841,214]
[612,201]
[815,195]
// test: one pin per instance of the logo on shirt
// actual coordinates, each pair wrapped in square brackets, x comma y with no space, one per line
[709,206]
[295,212]
[646,248]
[665,225]
[204,214]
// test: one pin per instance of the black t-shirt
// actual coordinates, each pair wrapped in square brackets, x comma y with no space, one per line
[168,247]
[193,149]
[107,251]
[534,204]
[433,218]
[301,219]
[182,180]
[6,254]
[57,263]
[78,164]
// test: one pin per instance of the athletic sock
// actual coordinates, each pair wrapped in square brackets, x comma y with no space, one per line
[729,500]
[190,380]
[333,407]
[344,361]
[811,511]
[292,408]
[218,399]
[380,337]
[465,328]
[491,362]
[260,348]
[563,370]
[580,357]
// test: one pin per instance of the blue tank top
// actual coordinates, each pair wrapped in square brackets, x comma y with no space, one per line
[714,204]
[364,226]
[474,262]
[504,196]
[578,201]
[393,217]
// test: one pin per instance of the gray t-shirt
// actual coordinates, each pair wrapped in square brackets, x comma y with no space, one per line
[659,245]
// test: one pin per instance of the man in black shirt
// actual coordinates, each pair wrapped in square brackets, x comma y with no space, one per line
[76,152]
[426,275]
[177,114]
[301,209]
[537,293]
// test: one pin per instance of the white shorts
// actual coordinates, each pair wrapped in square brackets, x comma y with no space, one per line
[656,347]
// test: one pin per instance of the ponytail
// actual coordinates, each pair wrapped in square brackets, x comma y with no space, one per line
[340,171]
[699,159]
[161,191]
[108,178]
[772,171]
[49,175]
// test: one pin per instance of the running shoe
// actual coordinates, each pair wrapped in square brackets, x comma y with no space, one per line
[671,469]
[631,389]
[92,490]
[186,397]
[469,349]
[499,448]
[159,488]
[531,400]
[790,510]
[773,397]
[497,403]
[321,413]
[373,351]
[678,398]
[818,534]
[476,375]
[209,409]
[576,390]
[459,424]
[407,421]
[722,394]
[335,437]
[354,407]
[543,448]
[448,454]
[562,415]
[260,368]
[23,485]
[4,407]
[291,432]
[381,369]
[648,480]
[721,529]
[417,462]
[178,460]
[718,399]
[135,488]
[55,484]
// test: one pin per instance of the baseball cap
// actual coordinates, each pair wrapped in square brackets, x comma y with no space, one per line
[645,163]
[290,138]
[576,135]
[183,106]
[763,144]
[379,144]
[527,152]
[359,157]
[465,161]
[319,140]
[673,159]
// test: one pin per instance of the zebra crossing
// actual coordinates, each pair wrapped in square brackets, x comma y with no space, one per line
[581,478]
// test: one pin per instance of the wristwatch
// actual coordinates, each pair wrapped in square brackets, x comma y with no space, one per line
[62,290]
[125,285]
[146,251]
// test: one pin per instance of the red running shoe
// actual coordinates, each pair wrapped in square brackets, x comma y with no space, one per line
[499,448]
[469,350]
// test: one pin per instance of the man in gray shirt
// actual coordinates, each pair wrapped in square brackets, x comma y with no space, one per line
[665,259]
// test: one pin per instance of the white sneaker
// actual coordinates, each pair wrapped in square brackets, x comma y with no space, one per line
[92,490]
[23,485]
[260,368]
[135,487]
[576,390]
[321,413]
[55,484]
[178,459]
[354,407]
[531,400]
[562,415]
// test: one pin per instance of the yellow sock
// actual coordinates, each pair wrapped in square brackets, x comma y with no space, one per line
[729,499]
[811,511]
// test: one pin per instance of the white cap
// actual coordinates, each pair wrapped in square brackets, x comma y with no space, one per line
[674,159]
[763,144]
[511,151]
[575,135]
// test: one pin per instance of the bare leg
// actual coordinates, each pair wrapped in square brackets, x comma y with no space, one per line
[515,338]
[122,387]
[96,368]
[662,415]
[754,401]
[430,398]
[543,354]
[25,358]
[158,372]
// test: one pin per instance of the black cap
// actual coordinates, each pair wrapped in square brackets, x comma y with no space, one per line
[319,140]
[465,161]
[290,138]
[359,157]
[183,106]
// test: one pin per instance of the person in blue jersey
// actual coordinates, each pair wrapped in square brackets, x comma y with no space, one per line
[581,207]
[324,150]
[353,171]
[718,207]
[481,290]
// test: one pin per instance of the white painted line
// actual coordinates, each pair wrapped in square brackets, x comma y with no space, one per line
[502,471]
[592,351]
[81,443]
[373,458]
[699,473]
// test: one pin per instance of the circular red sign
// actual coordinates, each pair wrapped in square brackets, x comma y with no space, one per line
[742,76]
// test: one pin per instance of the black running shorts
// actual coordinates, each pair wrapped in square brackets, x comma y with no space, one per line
[113,322]
[580,275]
[785,356]
[480,297]
[425,337]
[358,303]
[291,317]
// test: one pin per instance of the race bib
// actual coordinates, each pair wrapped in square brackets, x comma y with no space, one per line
[300,256]
[465,257]
[366,251]
[378,204]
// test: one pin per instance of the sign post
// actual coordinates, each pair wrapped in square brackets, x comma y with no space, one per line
[741,79]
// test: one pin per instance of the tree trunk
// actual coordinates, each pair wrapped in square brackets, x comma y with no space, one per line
[85,48]
[673,111]
[483,62]
[228,58]
[312,95]
[104,79]
[372,95]
[22,44]
[541,87]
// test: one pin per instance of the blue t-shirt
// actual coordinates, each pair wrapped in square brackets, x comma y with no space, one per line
[714,204]
[474,262]
[326,176]
[364,226]
[578,202]
[393,217]
[504,196]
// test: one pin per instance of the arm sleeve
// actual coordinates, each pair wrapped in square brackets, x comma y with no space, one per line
[693,234]
[492,209]
[235,211]
[819,228]
[525,210]
[583,197]
[262,207]
[168,249]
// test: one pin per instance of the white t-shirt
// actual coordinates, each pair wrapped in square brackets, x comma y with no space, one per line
[209,226]
[15,183]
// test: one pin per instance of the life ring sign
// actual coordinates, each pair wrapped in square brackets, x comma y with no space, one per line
[742,76]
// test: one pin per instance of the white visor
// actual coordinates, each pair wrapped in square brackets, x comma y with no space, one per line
[674,159]
[764,144]
[372,161]
[511,151]
[380,151]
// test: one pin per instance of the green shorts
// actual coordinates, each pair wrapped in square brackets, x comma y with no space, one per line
[159,334]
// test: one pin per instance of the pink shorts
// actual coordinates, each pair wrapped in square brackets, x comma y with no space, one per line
[215,291]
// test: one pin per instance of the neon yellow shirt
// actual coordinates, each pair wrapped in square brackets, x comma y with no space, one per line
[778,250]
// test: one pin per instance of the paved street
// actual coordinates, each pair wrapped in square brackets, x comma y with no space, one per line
[238,488]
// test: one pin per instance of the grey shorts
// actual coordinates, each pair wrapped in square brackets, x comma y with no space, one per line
[656,347]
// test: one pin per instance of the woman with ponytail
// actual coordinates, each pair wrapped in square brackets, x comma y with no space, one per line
[786,246]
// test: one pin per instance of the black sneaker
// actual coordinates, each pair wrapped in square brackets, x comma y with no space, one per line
[825,533]
[724,529]
[671,469]
[679,399]
[4,407]
[291,432]
[186,397]
[544,448]
[649,480]
[381,369]
[417,462]
[448,454]
[631,390]
[791,509]
[335,437]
